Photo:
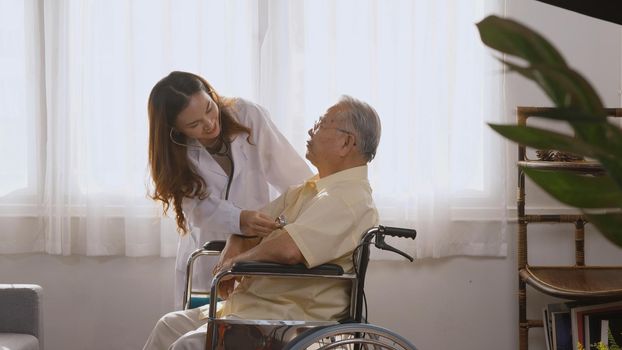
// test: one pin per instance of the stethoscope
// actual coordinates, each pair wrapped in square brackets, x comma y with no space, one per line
[226,152]
[281,220]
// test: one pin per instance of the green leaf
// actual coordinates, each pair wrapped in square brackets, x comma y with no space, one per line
[581,191]
[545,139]
[515,39]
[612,134]
[610,225]
[613,165]
[569,114]
[581,107]
[613,160]
[564,86]
[584,96]
[555,94]
[614,137]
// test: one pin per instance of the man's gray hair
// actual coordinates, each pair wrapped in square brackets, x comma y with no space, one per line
[363,119]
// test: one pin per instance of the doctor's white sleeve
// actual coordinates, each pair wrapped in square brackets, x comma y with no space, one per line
[217,214]
[281,163]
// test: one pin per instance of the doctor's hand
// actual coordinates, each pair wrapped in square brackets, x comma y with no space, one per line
[254,223]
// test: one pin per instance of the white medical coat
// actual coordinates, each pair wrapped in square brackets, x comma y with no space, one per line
[268,160]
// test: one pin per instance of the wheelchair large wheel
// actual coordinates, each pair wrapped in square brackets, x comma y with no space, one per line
[350,336]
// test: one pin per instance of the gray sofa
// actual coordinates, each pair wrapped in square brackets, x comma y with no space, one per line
[20,317]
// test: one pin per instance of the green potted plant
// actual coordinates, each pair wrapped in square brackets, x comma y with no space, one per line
[576,103]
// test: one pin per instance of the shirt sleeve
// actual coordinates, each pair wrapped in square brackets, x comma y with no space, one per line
[275,207]
[325,231]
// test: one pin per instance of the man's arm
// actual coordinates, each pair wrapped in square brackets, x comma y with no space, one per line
[235,246]
[278,249]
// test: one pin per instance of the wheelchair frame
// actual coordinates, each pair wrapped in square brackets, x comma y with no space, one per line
[303,334]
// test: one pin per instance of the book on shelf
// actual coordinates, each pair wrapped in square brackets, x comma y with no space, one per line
[604,328]
[592,324]
[546,323]
[561,330]
[555,327]
[580,326]
[613,330]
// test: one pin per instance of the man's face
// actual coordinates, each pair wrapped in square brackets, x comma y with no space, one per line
[327,136]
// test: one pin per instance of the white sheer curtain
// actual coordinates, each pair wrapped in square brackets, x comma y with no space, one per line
[421,64]
[74,170]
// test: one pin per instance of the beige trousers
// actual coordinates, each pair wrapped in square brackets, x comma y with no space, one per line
[179,330]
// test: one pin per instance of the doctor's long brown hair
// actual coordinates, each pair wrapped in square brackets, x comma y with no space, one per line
[173,176]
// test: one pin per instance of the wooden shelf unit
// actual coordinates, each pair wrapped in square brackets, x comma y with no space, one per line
[577,282]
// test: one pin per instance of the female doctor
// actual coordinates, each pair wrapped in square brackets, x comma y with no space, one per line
[213,159]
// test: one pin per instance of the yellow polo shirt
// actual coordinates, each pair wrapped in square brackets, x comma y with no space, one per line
[326,219]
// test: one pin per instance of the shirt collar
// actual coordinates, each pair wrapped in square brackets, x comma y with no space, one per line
[356,173]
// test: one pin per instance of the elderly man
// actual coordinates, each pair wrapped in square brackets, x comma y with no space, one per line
[326,216]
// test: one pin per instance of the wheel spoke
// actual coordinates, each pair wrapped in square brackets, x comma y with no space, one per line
[350,336]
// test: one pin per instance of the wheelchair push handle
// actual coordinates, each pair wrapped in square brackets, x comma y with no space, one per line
[378,234]
[381,244]
[397,232]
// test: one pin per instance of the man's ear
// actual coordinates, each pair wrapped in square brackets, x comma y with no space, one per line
[348,145]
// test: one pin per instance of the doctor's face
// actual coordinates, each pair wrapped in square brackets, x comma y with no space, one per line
[199,120]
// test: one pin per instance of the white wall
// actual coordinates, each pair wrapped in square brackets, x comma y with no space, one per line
[457,303]
[95,303]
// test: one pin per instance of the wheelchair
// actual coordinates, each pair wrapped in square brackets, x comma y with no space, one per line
[351,333]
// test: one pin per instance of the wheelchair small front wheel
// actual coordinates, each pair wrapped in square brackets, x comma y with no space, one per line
[350,336]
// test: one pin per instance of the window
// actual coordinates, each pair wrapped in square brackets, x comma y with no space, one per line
[74,134]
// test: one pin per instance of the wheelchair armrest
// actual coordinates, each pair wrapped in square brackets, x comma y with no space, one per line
[301,269]
[210,248]
[274,270]
[217,246]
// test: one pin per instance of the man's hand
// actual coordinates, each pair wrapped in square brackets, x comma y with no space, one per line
[227,283]
[225,288]
[235,246]
[254,223]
